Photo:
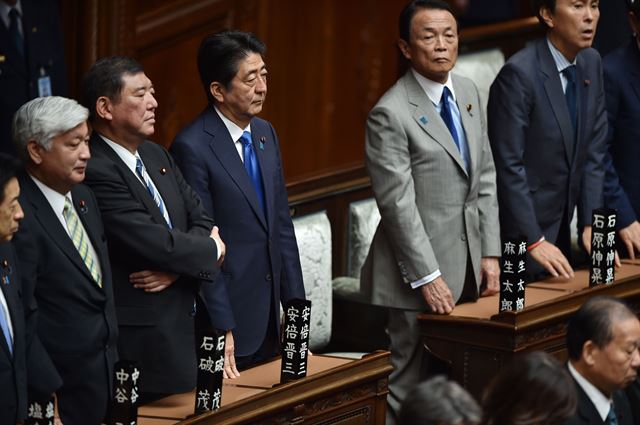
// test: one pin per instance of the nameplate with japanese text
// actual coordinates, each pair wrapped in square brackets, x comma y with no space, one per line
[210,368]
[603,247]
[295,341]
[124,409]
[512,275]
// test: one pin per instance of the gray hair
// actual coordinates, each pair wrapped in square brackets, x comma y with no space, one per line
[44,118]
[439,401]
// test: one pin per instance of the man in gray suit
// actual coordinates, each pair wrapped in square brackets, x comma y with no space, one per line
[433,177]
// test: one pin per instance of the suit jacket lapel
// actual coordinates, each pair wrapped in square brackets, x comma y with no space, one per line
[553,88]
[138,190]
[49,222]
[224,149]
[261,142]
[633,53]
[8,296]
[429,120]
[463,100]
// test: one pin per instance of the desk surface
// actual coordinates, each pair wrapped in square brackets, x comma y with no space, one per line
[537,293]
[252,382]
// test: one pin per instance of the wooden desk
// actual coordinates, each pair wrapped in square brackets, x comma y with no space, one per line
[475,341]
[336,390]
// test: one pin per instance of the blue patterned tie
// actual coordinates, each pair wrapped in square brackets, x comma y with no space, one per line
[142,173]
[251,165]
[14,31]
[570,94]
[447,116]
[611,417]
[5,327]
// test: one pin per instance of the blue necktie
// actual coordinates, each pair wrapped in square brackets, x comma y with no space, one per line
[611,417]
[570,94]
[142,173]
[5,328]
[251,165]
[447,116]
[14,31]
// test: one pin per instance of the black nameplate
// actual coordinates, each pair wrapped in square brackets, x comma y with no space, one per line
[210,366]
[512,274]
[603,247]
[124,408]
[40,411]
[295,340]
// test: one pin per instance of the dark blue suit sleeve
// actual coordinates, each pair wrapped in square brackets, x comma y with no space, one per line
[614,194]
[510,103]
[214,294]
[291,283]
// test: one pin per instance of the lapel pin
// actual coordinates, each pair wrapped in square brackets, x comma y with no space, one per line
[587,82]
[5,280]
[423,119]
[469,108]
[5,264]
[163,171]
[2,58]
[83,206]
[34,29]
[262,141]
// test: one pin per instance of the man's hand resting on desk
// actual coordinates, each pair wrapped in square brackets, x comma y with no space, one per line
[438,296]
[552,259]
[489,276]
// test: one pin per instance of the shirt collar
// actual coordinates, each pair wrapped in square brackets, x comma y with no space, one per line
[55,199]
[559,59]
[601,402]
[5,9]
[125,155]
[434,89]
[234,131]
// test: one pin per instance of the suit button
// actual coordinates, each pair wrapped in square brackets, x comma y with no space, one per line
[268,277]
[463,236]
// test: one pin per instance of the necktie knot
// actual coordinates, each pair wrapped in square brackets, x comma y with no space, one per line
[14,30]
[245,139]
[67,206]
[139,166]
[570,73]
[14,15]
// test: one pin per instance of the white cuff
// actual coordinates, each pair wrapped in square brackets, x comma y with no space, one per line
[427,279]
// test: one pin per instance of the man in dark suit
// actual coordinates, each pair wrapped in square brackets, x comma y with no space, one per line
[603,342]
[31,58]
[547,126]
[262,268]
[13,372]
[63,258]
[622,87]
[161,242]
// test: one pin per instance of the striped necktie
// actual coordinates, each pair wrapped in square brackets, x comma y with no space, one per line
[80,240]
[142,173]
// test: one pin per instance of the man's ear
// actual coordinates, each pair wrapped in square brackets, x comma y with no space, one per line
[34,150]
[217,91]
[547,16]
[104,107]
[590,352]
[404,48]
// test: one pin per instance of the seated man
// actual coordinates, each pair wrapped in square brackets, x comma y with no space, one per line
[603,341]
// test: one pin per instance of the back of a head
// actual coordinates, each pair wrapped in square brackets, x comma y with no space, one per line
[593,322]
[104,78]
[220,53]
[533,389]
[439,401]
